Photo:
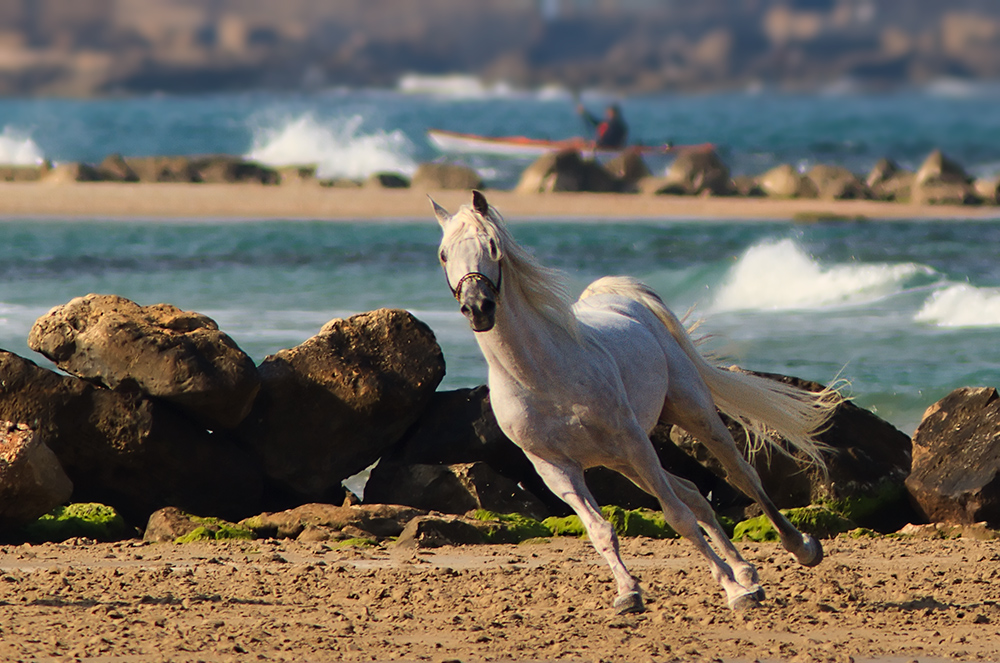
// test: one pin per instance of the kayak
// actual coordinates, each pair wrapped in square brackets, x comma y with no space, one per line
[521,146]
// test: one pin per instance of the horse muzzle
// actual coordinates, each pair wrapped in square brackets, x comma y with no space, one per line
[479,307]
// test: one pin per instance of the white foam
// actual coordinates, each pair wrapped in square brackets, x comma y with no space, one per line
[18,149]
[962,305]
[779,276]
[455,86]
[337,147]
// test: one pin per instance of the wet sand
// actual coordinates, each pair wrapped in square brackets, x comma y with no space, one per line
[886,599]
[251,201]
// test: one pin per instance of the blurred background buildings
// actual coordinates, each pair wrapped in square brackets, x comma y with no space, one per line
[97,47]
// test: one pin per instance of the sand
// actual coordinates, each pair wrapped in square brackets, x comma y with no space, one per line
[888,599]
[200,201]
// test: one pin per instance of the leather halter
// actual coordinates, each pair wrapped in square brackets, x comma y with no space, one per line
[482,278]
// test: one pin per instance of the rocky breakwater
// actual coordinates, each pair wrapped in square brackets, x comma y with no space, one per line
[156,405]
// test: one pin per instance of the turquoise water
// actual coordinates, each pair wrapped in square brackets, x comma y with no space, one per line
[904,311]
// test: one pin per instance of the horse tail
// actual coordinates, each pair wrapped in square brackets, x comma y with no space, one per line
[765,408]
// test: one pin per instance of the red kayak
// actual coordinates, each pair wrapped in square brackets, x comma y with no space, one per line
[452,142]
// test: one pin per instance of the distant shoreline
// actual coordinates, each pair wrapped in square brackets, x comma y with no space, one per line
[127,201]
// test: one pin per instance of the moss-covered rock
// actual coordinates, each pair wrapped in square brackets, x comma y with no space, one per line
[358,542]
[819,521]
[87,519]
[627,522]
[214,529]
[510,527]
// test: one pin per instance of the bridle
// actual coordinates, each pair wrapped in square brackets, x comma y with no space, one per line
[482,278]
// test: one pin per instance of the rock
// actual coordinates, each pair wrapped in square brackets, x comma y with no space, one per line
[696,172]
[629,168]
[124,450]
[898,187]
[437,531]
[227,169]
[437,176]
[331,406]
[90,520]
[785,182]
[71,171]
[388,181]
[114,169]
[837,183]
[943,193]
[164,169]
[748,187]
[296,175]
[165,352]
[379,520]
[170,524]
[566,171]
[867,464]
[452,489]
[883,171]
[32,482]
[10,173]
[956,459]
[988,189]
[937,168]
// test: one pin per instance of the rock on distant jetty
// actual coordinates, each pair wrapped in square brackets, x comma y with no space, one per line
[837,183]
[785,181]
[941,181]
[329,407]
[566,171]
[32,482]
[176,355]
[438,176]
[696,172]
[956,458]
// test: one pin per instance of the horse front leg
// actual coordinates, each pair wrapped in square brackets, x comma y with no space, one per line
[565,479]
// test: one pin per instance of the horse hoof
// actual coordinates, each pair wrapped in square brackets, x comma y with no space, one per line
[745,602]
[812,551]
[629,603]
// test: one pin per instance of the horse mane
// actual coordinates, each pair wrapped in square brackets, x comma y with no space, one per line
[544,289]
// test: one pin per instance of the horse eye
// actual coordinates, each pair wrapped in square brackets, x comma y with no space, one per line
[493,249]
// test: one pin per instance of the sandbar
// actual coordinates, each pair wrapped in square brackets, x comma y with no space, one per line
[111,200]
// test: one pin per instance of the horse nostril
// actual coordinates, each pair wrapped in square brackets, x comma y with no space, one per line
[465,310]
[489,306]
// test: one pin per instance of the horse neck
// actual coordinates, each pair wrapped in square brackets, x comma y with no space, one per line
[523,344]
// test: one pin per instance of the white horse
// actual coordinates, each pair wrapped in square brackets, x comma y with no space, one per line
[577,385]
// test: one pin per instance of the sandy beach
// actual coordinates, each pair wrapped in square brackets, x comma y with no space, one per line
[251,201]
[892,600]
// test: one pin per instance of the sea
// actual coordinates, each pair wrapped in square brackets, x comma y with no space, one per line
[902,311]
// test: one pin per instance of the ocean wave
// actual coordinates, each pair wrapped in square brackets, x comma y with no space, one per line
[18,149]
[777,276]
[338,147]
[962,305]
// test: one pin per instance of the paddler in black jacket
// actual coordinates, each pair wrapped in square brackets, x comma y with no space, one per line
[612,132]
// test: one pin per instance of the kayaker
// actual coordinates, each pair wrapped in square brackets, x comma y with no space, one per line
[612,131]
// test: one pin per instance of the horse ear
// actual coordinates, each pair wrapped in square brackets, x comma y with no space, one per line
[479,203]
[441,213]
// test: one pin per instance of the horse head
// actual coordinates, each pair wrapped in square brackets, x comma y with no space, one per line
[471,258]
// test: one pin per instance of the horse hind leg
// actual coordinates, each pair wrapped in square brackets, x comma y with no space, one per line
[703,422]
[647,473]
[566,480]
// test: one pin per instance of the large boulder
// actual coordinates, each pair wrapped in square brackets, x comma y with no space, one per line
[122,449]
[956,459]
[785,181]
[837,183]
[939,168]
[988,189]
[14,173]
[329,407]
[71,171]
[883,171]
[696,172]
[438,176]
[566,170]
[867,463]
[941,181]
[377,520]
[165,352]
[32,482]
[114,169]
[452,489]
